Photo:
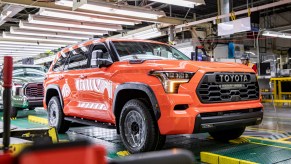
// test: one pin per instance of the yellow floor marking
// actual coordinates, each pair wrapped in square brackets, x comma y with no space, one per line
[240,140]
[280,118]
[123,153]
[282,147]
[266,130]
[39,120]
[265,139]
[220,159]
[283,139]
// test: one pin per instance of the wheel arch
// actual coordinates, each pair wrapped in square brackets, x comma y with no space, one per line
[51,91]
[127,91]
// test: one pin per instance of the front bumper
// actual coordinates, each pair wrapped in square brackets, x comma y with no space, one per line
[27,102]
[227,120]
[199,118]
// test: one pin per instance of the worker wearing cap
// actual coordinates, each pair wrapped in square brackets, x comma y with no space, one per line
[245,59]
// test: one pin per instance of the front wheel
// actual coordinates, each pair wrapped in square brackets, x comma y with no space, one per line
[56,115]
[138,129]
[229,134]
[14,111]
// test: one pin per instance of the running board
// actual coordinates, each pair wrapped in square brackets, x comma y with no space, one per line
[90,122]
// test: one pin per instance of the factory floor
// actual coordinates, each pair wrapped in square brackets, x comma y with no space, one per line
[269,142]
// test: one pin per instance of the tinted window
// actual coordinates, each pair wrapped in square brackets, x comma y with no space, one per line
[60,63]
[78,60]
[27,72]
[147,51]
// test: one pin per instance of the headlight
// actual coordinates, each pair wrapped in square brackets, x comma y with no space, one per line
[172,80]
[17,89]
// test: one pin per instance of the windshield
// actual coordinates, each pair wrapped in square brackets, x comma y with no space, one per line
[29,67]
[147,51]
[27,72]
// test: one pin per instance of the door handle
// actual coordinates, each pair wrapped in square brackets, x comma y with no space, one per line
[83,76]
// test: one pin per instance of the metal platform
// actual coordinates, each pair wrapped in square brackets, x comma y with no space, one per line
[259,144]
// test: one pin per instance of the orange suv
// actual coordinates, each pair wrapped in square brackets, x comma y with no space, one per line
[148,90]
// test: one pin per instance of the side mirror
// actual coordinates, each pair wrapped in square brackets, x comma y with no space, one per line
[100,59]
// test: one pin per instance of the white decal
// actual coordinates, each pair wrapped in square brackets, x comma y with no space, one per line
[66,90]
[95,85]
[98,106]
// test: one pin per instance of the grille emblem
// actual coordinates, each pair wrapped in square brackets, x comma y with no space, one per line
[233,78]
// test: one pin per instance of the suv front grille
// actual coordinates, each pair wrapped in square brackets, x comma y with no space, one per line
[34,90]
[228,87]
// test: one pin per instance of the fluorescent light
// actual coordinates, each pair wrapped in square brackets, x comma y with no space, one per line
[184,3]
[144,34]
[67,23]
[111,8]
[277,34]
[18,53]
[44,60]
[83,17]
[13,42]
[15,30]
[71,30]
[23,49]
[19,50]
[26,46]
[38,38]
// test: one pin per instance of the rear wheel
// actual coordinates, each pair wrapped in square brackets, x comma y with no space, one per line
[229,134]
[138,129]
[14,111]
[31,108]
[56,115]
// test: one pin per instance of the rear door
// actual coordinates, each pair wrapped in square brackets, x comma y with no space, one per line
[75,67]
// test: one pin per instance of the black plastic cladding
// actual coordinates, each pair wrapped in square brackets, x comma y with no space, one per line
[209,89]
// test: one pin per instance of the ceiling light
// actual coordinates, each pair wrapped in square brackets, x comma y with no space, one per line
[15,30]
[111,8]
[13,42]
[30,51]
[38,38]
[143,33]
[71,30]
[184,3]
[44,60]
[83,17]
[26,46]
[277,34]
[67,23]
[23,49]
[18,53]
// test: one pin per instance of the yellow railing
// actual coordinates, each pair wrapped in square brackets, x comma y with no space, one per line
[279,96]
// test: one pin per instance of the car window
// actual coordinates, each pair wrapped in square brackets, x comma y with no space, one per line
[39,68]
[78,60]
[27,72]
[59,65]
[147,50]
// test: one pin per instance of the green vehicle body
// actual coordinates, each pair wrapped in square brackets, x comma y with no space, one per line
[27,89]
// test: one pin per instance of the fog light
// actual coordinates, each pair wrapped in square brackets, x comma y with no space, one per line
[206,126]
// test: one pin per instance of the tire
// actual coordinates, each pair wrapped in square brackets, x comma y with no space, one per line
[138,130]
[226,135]
[13,112]
[56,115]
[31,108]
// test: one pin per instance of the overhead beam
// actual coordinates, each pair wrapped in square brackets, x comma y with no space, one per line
[51,5]
[253,9]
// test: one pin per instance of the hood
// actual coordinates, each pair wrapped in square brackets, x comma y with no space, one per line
[194,65]
[23,80]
